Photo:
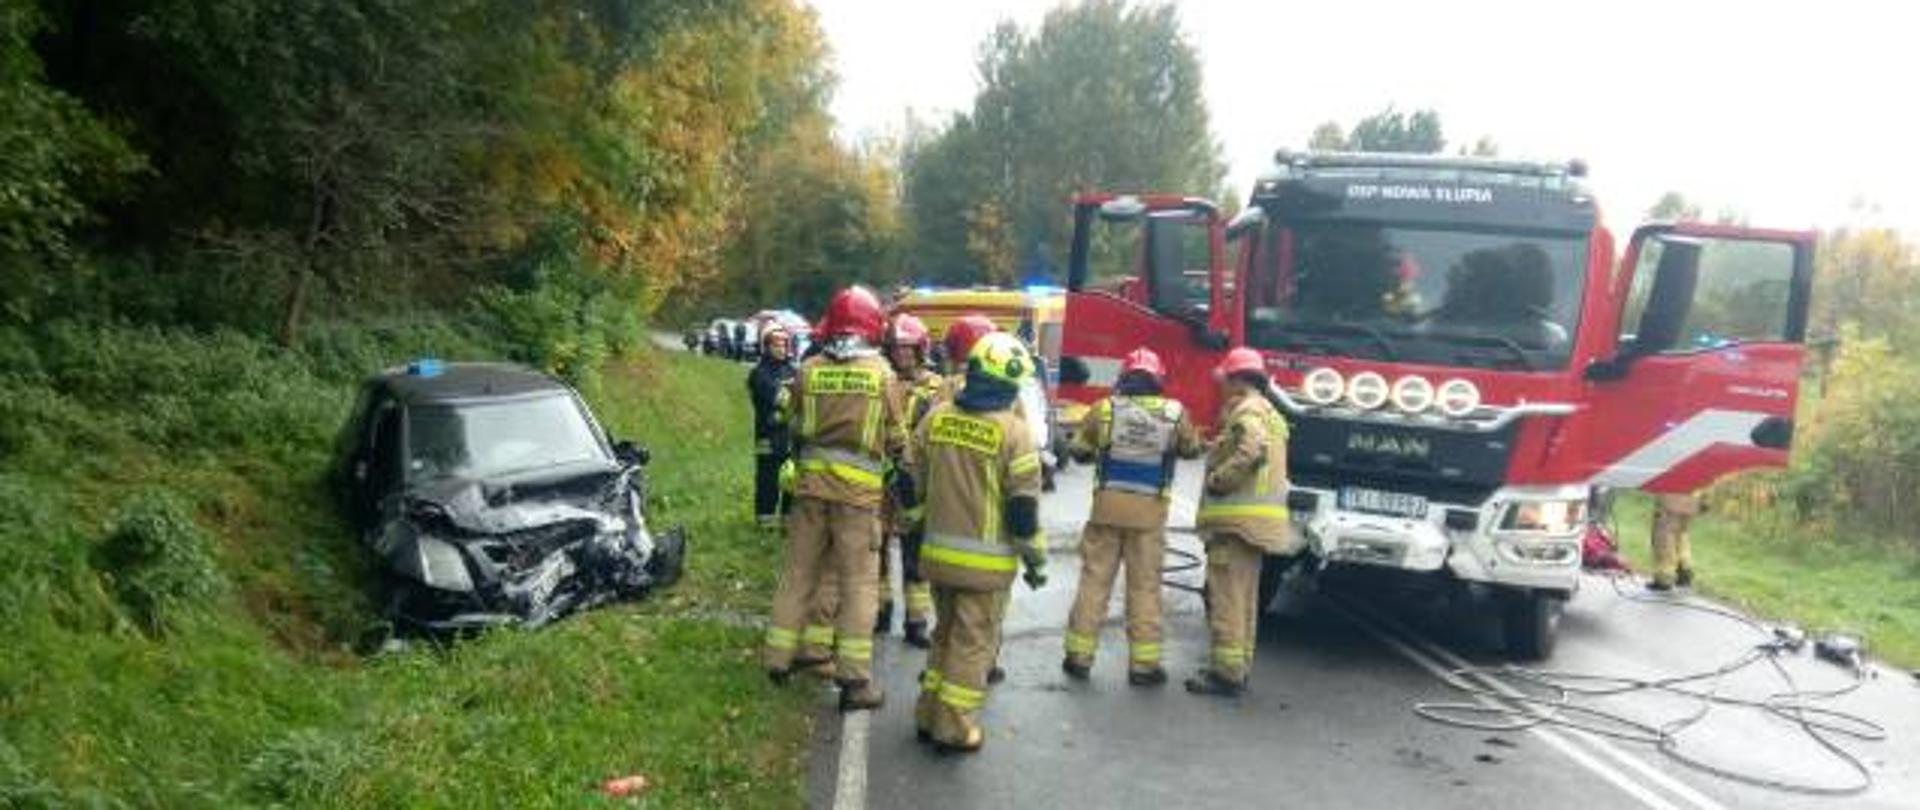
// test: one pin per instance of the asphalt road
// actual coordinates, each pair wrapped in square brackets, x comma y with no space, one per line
[1329,720]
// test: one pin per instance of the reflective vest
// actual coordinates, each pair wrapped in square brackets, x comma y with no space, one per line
[970,464]
[842,420]
[1138,456]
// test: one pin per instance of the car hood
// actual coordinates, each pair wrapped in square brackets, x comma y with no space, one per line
[492,509]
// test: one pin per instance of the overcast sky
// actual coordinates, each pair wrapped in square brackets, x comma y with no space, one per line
[1793,114]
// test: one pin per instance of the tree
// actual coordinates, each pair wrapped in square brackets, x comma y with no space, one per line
[1673,206]
[1328,137]
[1393,131]
[1106,94]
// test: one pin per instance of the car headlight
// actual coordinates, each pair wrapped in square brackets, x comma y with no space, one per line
[1367,390]
[1545,517]
[1323,386]
[1457,398]
[1412,394]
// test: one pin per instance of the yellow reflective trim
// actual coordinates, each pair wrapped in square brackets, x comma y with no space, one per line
[969,559]
[1144,651]
[1233,510]
[963,431]
[857,649]
[818,634]
[843,380]
[870,429]
[1231,654]
[990,506]
[1078,644]
[960,697]
[931,679]
[1025,464]
[845,472]
[919,596]
[782,639]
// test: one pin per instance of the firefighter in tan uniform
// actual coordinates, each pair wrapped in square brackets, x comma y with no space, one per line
[1242,517]
[905,344]
[979,476]
[1672,552]
[845,432]
[1133,438]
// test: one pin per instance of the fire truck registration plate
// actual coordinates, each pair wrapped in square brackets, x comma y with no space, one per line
[1382,502]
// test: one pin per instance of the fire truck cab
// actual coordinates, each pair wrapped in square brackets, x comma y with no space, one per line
[1461,355]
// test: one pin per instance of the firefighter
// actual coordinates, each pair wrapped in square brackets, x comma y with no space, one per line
[1672,553]
[1242,517]
[771,440]
[979,480]
[956,344]
[845,432]
[907,347]
[1132,438]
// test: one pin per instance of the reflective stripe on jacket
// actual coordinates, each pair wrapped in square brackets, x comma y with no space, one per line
[1246,483]
[845,427]
[968,466]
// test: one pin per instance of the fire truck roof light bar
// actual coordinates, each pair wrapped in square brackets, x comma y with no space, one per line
[1496,416]
[1389,160]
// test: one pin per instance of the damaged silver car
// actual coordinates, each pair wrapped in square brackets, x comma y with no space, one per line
[492,496]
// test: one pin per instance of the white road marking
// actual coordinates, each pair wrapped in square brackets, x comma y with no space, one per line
[850,780]
[1556,741]
[1674,786]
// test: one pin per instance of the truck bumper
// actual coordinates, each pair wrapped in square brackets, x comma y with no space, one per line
[1462,539]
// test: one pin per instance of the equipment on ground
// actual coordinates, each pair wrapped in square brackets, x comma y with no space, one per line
[1460,357]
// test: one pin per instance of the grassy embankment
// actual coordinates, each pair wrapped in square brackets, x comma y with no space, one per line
[1822,579]
[180,601]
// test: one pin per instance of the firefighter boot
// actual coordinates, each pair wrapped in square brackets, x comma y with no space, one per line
[1156,676]
[1076,669]
[915,631]
[857,696]
[1208,682]
[996,674]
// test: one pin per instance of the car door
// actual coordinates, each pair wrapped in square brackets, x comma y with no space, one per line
[1143,272]
[1705,377]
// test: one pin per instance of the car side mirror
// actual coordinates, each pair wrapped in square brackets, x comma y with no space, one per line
[630,454]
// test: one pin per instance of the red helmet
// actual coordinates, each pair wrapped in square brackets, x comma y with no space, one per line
[854,311]
[1239,360]
[965,331]
[907,330]
[1143,359]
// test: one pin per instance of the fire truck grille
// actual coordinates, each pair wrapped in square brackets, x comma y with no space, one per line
[1445,466]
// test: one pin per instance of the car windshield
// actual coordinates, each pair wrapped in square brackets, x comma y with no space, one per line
[1502,299]
[478,440]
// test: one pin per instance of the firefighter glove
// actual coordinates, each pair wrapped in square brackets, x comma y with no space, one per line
[789,473]
[1036,567]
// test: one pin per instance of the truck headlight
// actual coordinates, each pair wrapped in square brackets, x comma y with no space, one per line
[1557,518]
[1367,390]
[1412,394]
[1457,398]
[1323,386]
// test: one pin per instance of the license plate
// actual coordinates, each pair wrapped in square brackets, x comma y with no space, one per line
[1382,502]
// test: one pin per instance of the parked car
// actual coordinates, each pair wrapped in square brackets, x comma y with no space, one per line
[492,496]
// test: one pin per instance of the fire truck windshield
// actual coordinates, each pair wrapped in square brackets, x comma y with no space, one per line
[1491,298]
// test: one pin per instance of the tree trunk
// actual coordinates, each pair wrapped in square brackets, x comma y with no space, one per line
[296,307]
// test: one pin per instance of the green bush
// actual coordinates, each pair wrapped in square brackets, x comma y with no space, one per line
[157,562]
[560,312]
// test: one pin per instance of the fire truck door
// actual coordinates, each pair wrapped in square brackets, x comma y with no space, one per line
[1705,378]
[1142,274]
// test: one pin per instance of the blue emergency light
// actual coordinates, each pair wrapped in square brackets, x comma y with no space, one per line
[426,367]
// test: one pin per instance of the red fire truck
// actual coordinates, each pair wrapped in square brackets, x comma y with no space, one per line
[1460,356]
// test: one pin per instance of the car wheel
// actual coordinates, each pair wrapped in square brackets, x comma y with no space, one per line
[669,558]
[1530,621]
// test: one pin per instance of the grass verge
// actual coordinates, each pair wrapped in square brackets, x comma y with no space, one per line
[1821,579]
[181,601]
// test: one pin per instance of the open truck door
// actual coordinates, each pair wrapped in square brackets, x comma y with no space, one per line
[1705,375]
[1145,271]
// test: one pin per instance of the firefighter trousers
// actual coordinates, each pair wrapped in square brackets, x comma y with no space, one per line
[827,536]
[1672,551]
[1233,603]
[1103,550]
[769,501]
[966,639]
